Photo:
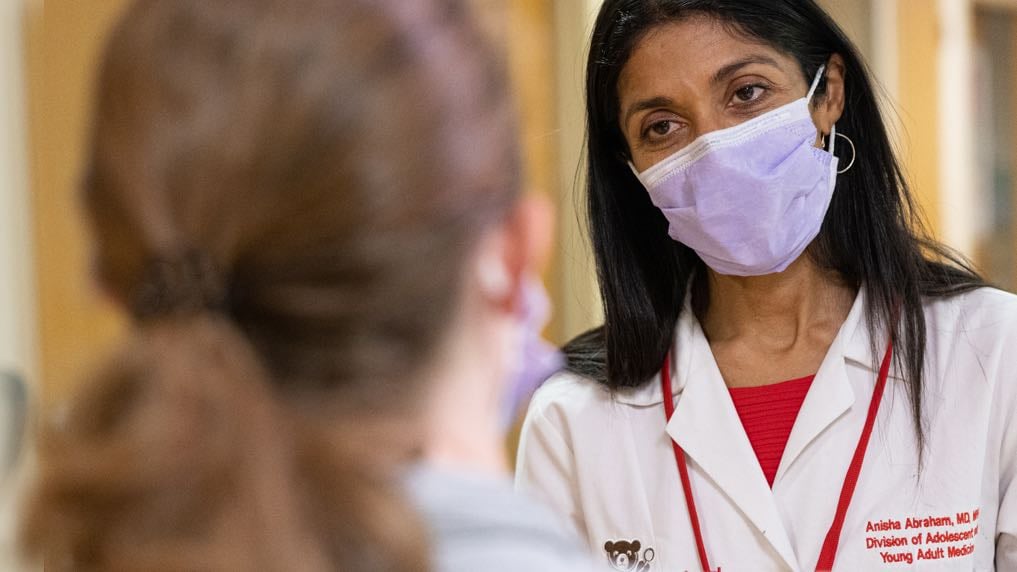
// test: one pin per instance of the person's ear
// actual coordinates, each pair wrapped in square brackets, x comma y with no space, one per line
[829,108]
[517,250]
[532,229]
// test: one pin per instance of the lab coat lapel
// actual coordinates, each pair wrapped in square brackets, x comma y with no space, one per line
[707,427]
[831,394]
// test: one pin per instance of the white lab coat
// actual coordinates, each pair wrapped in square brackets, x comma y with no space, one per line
[605,461]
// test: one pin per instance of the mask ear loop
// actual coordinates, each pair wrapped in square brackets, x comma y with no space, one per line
[815,83]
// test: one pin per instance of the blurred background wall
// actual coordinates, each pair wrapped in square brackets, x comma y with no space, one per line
[948,69]
[17,278]
[75,324]
[18,309]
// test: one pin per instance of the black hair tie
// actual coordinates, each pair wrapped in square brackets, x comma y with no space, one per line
[184,283]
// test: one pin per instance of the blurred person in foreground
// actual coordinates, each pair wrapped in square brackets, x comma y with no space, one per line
[311,211]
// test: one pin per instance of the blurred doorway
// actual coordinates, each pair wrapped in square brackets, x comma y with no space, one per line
[995,137]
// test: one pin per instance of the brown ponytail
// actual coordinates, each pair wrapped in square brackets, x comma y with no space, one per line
[181,458]
[283,193]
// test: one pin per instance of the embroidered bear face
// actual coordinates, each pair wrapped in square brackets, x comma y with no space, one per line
[623,555]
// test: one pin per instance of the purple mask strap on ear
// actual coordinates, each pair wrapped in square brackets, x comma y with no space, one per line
[537,359]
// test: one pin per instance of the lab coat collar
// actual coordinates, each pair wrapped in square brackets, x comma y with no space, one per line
[855,347]
[707,427]
[858,346]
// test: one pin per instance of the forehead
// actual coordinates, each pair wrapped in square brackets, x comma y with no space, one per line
[689,51]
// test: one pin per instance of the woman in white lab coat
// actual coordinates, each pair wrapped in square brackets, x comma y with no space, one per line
[790,375]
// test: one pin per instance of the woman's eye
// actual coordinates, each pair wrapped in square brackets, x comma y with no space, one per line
[659,130]
[749,93]
[661,127]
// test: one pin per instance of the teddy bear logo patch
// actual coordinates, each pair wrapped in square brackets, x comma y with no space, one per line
[628,556]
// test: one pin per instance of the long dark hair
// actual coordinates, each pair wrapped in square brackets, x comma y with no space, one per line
[872,235]
[284,196]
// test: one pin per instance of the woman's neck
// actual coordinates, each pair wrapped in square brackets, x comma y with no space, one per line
[464,435]
[777,312]
[463,428]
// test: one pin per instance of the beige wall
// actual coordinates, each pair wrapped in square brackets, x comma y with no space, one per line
[1013,135]
[577,301]
[908,44]
[75,325]
[530,40]
[918,103]
[855,16]
[17,309]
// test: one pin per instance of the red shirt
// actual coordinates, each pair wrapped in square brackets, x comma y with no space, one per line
[768,413]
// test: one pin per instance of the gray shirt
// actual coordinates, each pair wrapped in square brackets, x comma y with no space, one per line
[479,522]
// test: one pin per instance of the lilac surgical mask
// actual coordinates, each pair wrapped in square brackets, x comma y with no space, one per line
[751,198]
[537,359]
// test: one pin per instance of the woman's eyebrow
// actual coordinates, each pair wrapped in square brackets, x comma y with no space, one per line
[641,105]
[730,69]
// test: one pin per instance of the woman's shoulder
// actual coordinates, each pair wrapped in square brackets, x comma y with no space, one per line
[573,400]
[971,337]
[569,391]
[986,311]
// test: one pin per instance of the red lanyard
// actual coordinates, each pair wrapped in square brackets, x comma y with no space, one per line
[829,552]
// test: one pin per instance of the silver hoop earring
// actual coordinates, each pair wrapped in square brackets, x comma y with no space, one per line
[854,154]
